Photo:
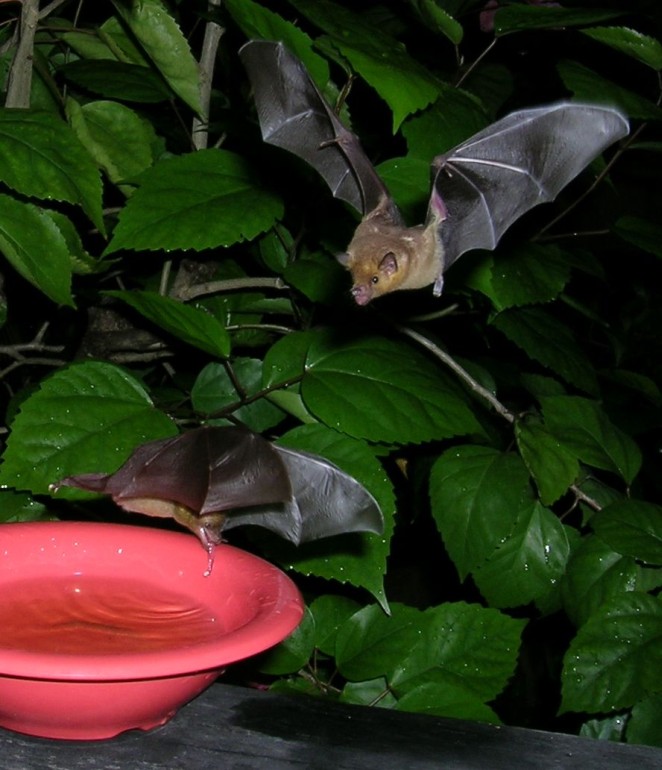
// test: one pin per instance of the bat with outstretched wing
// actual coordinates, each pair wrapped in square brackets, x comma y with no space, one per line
[479,188]
[211,479]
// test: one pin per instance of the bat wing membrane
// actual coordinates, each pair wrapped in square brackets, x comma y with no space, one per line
[294,115]
[482,186]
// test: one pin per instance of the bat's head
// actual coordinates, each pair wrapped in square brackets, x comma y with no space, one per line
[383,258]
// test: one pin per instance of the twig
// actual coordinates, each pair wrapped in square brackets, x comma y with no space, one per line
[19,84]
[213,34]
[463,374]
[232,284]
[475,63]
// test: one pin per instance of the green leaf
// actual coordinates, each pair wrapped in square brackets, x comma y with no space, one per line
[437,20]
[646,49]
[293,652]
[548,341]
[215,391]
[632,528]
[616,658]
[477,495]
[356,558]
[529,563]
[453,117]
[87,417]
[591,87]
[117,80]
[260,23]
[553,466]
[464,646]
[527,275]
[318,278]
[18,506]
[382,390]
[443,699]
[120,141]
[520,18]
[645,720]
[33,243]
[192,325]
[607,729]
[41,157]
[196,201]
[285,360]
[644,233]
[404,84]
[331,612]
[408,180]
[371,643]
[581,425]
[163,41]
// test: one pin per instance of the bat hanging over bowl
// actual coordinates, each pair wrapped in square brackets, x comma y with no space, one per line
[211,479]
[479,188]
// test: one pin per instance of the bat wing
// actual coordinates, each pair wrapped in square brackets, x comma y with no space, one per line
[482,186]
[207,470]
[294,115]
[326,501]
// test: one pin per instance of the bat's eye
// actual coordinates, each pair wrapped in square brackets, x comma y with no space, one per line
[374,279]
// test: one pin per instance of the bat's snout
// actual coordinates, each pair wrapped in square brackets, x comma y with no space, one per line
[362,293]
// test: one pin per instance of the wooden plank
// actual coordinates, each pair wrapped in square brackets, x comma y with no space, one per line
[236,728]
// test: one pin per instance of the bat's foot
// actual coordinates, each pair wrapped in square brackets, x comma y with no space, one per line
[438,285]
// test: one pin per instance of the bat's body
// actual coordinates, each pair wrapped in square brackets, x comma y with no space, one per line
[214,478]
[479,188]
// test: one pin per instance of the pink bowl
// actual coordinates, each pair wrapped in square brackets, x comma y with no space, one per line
[109,627]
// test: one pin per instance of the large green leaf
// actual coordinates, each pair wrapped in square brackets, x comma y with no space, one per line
[258,22]
[478,494]
[644,48]
[616,658]
[437,20]
[196,201]
[33,243]
[462,645]
[519,18]
[446,699]
[218,389]
[548,341]
[644,233]
[163,41]
[41,157]
[404,84]
[357,558]
[591,87]
[527,275]
[117,80]
[632,528]
[582,426]
[381,390]
[87,417]
[371,644]
[529,563]
[190,324]
[553,465]
[595,574]
[120,141]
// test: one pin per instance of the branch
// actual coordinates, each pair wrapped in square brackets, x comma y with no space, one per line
[213,34]
[232,284]
[20,74]
[463,374]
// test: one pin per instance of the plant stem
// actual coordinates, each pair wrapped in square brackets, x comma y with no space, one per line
[463,374]
[232,284]
[213,34]
[20,74]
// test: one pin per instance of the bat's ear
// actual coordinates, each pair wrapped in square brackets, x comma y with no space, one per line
[343,258]
[388,265]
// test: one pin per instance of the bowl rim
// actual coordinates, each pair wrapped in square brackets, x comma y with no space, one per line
[280,608]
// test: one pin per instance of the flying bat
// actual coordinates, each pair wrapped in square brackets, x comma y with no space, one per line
[211,479]
[479,188]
